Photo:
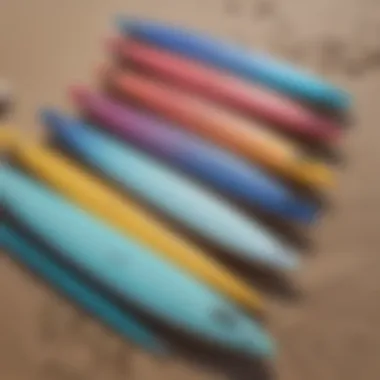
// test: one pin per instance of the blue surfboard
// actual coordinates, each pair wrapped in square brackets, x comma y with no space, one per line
[176,195]
[251,65]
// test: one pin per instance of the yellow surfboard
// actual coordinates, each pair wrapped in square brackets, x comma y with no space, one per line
[124,214]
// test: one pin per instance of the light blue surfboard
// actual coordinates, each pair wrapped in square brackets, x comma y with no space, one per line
[176,195]
[129,269]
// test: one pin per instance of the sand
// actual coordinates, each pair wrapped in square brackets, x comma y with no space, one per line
[330,332]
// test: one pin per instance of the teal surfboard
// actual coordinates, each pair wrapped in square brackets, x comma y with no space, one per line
[129,269]
[27,252]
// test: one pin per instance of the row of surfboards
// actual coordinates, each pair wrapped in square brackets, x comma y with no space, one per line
[75,228]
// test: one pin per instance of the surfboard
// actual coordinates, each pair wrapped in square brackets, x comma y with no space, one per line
[128,268]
